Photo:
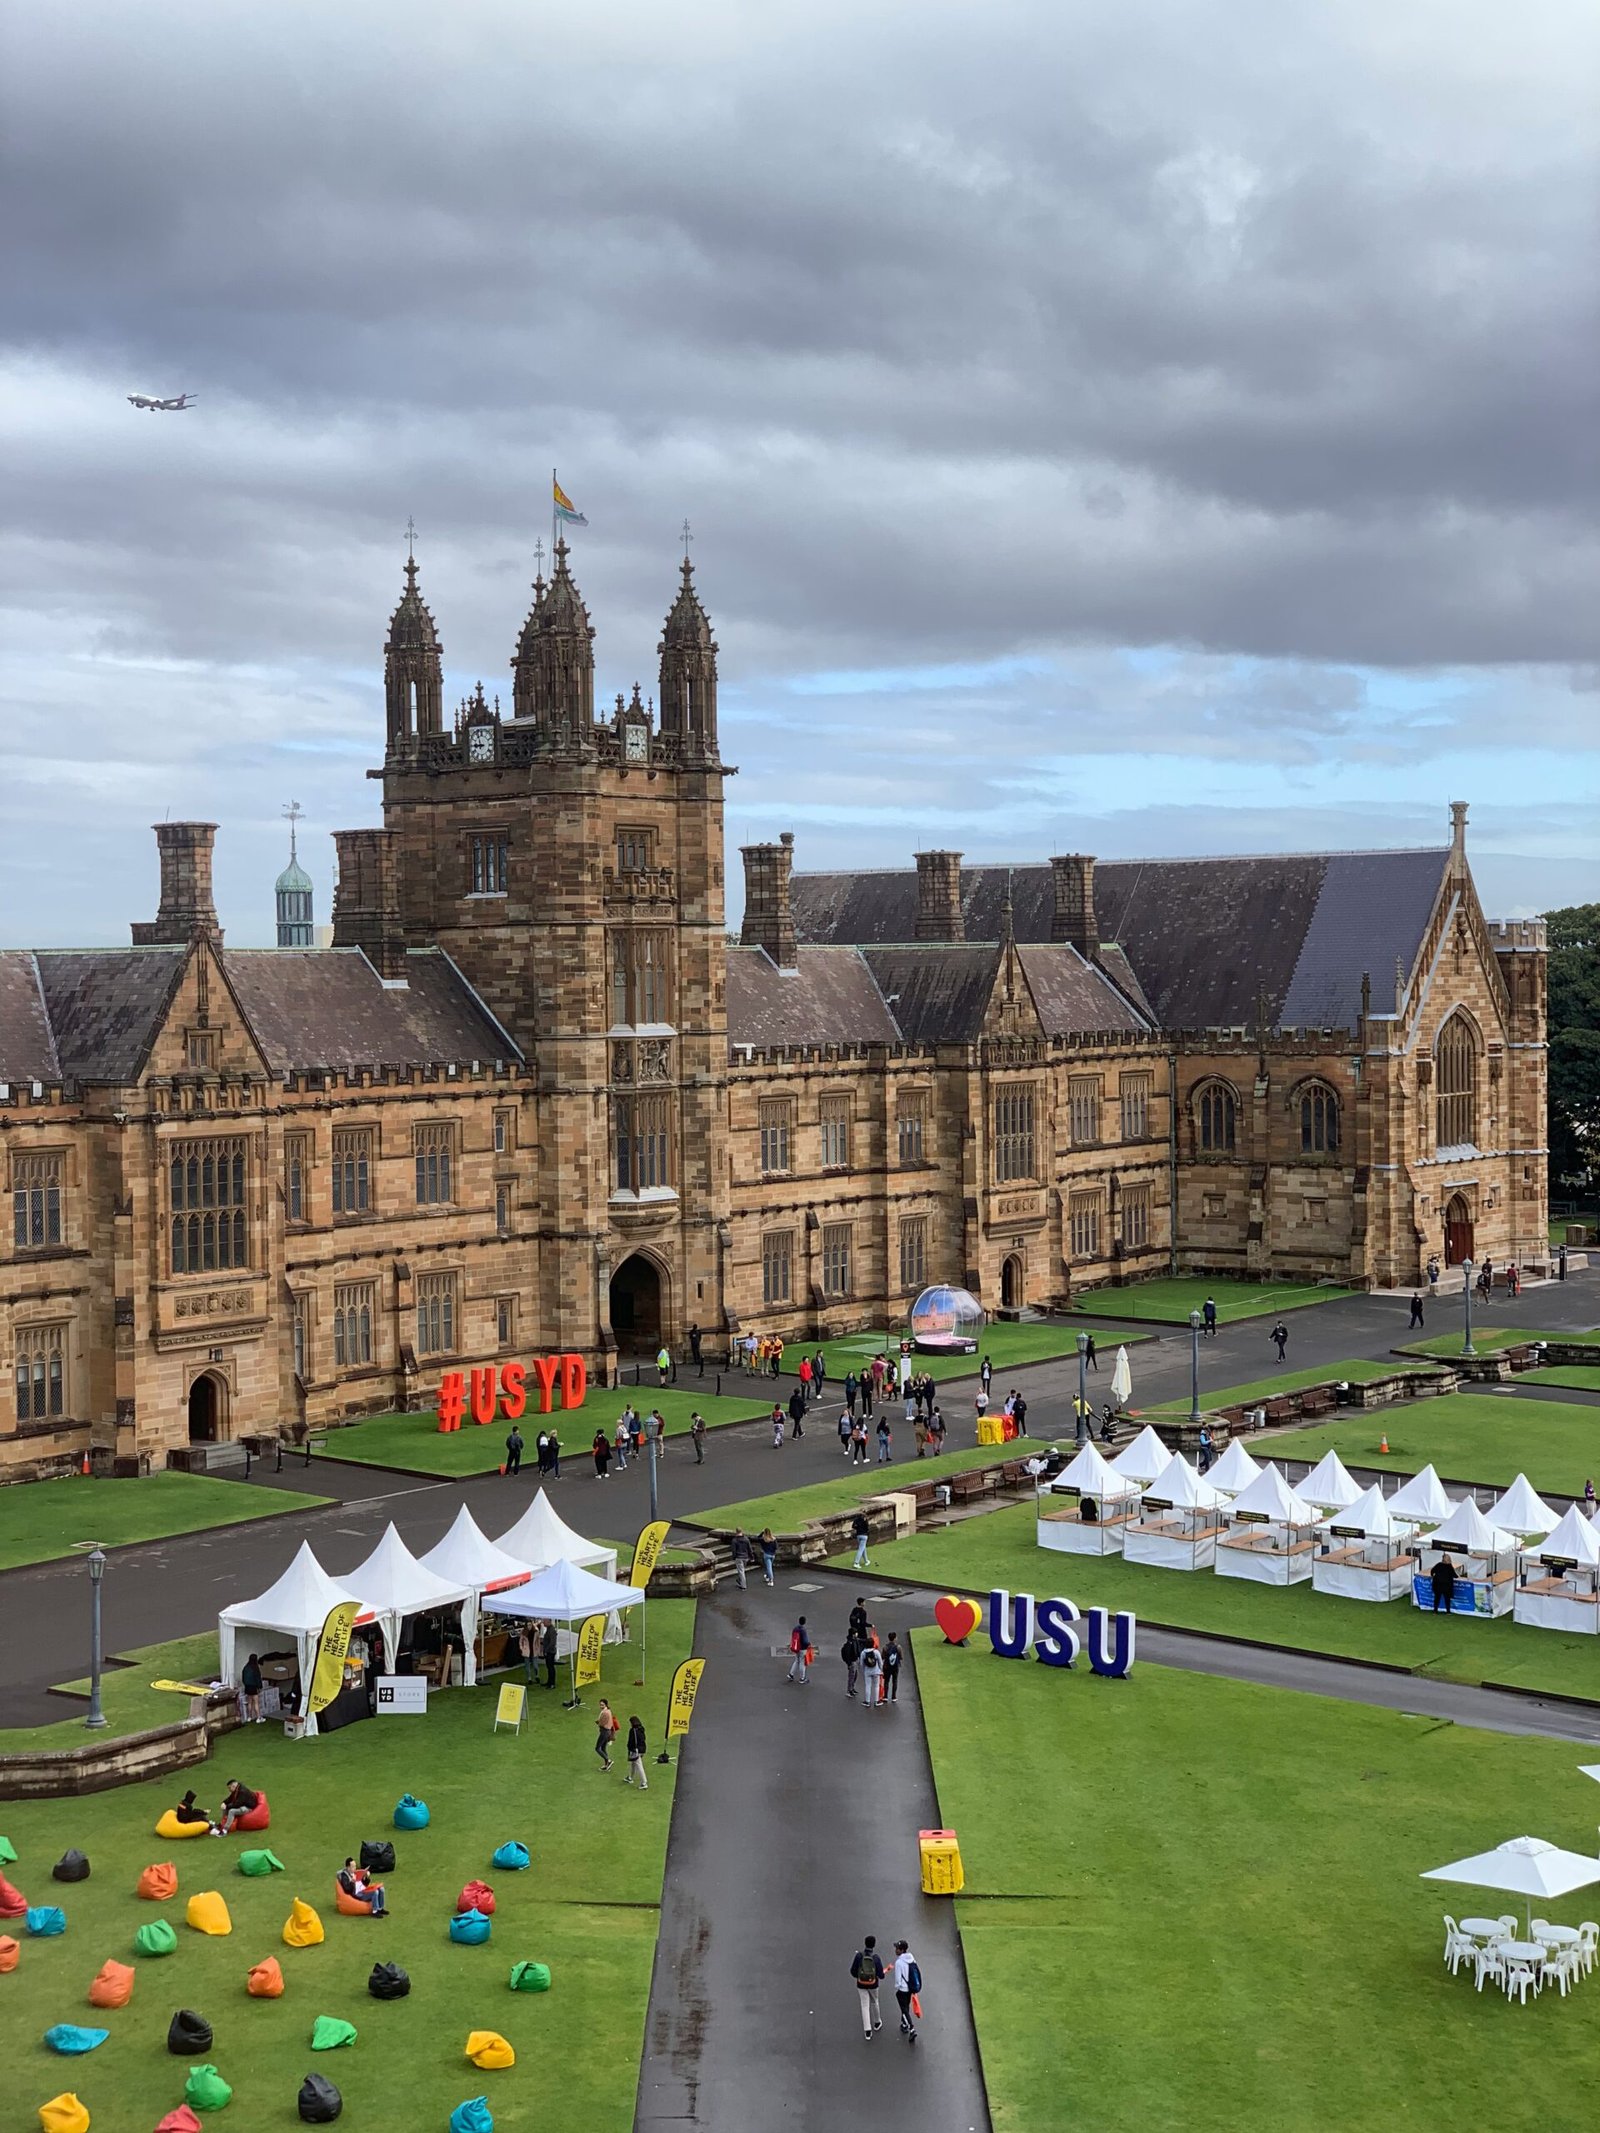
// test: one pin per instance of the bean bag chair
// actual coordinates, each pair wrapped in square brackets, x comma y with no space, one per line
[177,1832]
[159,1883]
[71,1866]
[511,1858]
[64,2114]
[45,1920]
[473,2116]
[258,1818]
[10,1954]
[112,1986]
[182,2120]
[205,2090]
[157,1938]
[328,2033]
[188,2034]
[12,1901]
[265,1981]
[377,1855]
[207,1913]
[411,1814]
[260,1863]
[8,1852]
[320,2102]
[477,1896]
[388,1982]
[487,2050]
[470,1928]
[349,1906]
[302,1928]
[69,2038]
[530,1977]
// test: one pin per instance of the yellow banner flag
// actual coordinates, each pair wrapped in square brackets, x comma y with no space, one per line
[591,1635]
[647,1552]
[333,1648]
[680,1704]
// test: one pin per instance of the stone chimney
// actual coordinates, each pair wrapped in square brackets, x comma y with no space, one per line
[1073,918]
[366,900]
[768,918]
[939,897]
[186,912]
[1458,833]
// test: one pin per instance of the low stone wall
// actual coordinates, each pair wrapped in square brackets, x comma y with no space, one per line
[102,1765]
[819,1538]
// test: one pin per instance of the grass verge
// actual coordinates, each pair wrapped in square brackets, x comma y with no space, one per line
[1487,1340]
[1356,1371]
[1008,1347]
[787,1510]
[1574,1377]
[1171,1297]
[1472,1437]
[415,1443]
[47,1519]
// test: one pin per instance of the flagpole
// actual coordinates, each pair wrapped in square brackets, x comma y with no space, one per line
[554,520]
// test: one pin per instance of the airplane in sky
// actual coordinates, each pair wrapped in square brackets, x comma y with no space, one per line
[156,406]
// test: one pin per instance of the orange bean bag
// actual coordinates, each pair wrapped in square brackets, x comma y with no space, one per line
[476,1896]
[259,1817]
[10,1954]
[348,1905]
[13,1904]
[265,1981]
[159,1883]
[113,1986]
[207,1913]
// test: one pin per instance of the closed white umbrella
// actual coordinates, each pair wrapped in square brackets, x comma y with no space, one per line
[1523,1866]
[1122,1379]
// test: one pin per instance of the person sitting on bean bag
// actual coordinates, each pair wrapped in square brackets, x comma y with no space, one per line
[357,1887]
[184,1820]
[237,1802]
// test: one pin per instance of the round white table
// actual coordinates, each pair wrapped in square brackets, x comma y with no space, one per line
[1558,1936]
[1483,1928]
[1523,1951]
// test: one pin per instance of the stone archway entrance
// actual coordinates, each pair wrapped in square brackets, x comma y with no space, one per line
[207,1409]
[1012,1285]
[636,1314]
[1457,1231]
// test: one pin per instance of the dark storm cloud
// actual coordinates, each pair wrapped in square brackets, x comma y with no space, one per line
[961,332]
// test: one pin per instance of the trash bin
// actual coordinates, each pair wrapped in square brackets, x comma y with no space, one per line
[940,1855]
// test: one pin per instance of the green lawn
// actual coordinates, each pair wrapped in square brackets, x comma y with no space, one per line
[129,1702]
[786,1512]
[1469,1437]
[1170,1298]
[1574,1377]
[46,1519]
[1488,1340]
[1217,1923]
[1355,1370]
[415,1443]
[1001,1548]
[1007,1346]
[588,1907]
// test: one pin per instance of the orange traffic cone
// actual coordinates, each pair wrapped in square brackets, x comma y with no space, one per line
[1383,1442]
[85,1466]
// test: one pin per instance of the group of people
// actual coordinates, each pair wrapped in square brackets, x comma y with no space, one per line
[536,1647]
[744,1549]
[632,1433]
[547,1449]
[607,1727]
[1510,1279]
[872,1664]
[238,1801]
[869,1970]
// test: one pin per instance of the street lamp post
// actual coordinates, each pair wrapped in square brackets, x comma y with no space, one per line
[651,1437]
[1466,1302]
[1196,1321]
[1081,1417]
[97,1571]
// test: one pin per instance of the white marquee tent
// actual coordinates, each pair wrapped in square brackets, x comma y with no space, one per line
[1521,1510]
[1061,1524]
[567,1593]
[396,1585]
[1564,1593]
[1422,1501]
[467,1557]
[294,1608]
[1485,1557]
[1144,1458]
[1178,1521]
[1271,1532]
[541,1536]
[1367,1552]
[1328,1485]
[1235,1470]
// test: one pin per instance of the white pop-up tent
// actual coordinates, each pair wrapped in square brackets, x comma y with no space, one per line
[567,1593]
[1270,1532]
[1178,1523]
[1366,1552]
[1560,1586]
[1235,1470]
[1421,1501]
[1144,1458]
[1089,1481]
[1521,1510]
[396,1586]
[1328,1485]
[294,1608]
[1523,1866]
[541,1536]
[466,1556]
[1485,1559]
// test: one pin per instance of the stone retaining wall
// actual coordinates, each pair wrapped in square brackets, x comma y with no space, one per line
[101,1765]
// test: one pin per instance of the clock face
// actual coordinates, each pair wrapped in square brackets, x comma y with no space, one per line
[635,743]
[480,744]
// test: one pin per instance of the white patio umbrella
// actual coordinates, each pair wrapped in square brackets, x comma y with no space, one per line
[1235,1470]
[1122,1379]
[1328,1485]
[1521,1510]
[1422,1500]
[1523,1866]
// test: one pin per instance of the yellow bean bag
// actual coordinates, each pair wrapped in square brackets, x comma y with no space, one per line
[175,1831]
[63,2114]
[302,1928]
[486,2048]
[207,1913]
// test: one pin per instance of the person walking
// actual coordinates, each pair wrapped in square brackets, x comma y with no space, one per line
[769,1553]
[799,1652]
[920,1427]
[601,1449]
[1589,1499]
[797,1412]
[892,1657]
[777,1427]
[985,1377]
[622,1443]
[1416,1308]
[636,1752]
[656,1430]
[850,1653]
[871,1672]
[553,1446]
[858,1533]
[697,1436]
[866,1967]
[743,1555]
[1208,1312]
[694,1350]
[663,1364]
[858,1442]
[852,1385]
[607,1728]
[907,1989]
[514,1445]
[1433,1277]
[1279,1337]
[980,1408]
[819,1373]
[547,1652]
[1091,1354]
[847,1423]
[541,1449]
[1443,1580]
[1208,1449]
[885,1437]
[936,1432]
[804,1385]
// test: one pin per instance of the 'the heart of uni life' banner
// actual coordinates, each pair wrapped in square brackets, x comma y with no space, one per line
[333,1648]
[647,1551]
[680,1704]
[591,1636]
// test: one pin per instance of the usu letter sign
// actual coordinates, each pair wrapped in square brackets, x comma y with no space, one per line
[1050,1629]
[503,1390]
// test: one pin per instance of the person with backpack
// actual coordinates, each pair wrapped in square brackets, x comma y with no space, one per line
[858,1532]
[636,1753]
[799,1652]
[871,1672]
[850,1653]
[907,1989]
[867,1968]
[892,1656]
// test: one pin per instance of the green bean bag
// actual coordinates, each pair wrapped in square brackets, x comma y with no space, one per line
[45,1919]
[8,1852]
[157,1938]
[68,2037]
[260,1863]
[512,1857]
[470,1928]
[411,1814]
[473,2116]
[328,2033]
[205,2090]
[530,1977]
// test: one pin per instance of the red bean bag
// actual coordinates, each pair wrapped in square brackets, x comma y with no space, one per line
[476,1896]
[182,2120]
[158,1883]
[13,1904]
[10,1953]
[259,1817]
[112,1986]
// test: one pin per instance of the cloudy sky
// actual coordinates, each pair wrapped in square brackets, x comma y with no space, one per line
[1119,425]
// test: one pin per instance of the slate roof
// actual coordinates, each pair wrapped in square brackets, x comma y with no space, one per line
[327,1007]
[1071,995]
[27,1043]
[105,1006]
[937,991]
[830,999]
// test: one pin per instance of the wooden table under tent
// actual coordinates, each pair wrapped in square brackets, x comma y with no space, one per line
[1485,1559]
[1366,1551]
[1178,1522]
[1085,1509]
[1269,1533]
[1559,1587]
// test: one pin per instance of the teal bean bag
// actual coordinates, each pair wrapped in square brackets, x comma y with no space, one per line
[512,1857]
[470,1928]
[157,1938]
[530,1977]
[411,1814]
[68,2037]
[45,1919]
[260,1863]
[205,2090]
[473,2116]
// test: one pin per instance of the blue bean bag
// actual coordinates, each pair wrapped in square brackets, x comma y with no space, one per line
[411,1814]
[45,1919]
[512,1857]
[471,1928]
[473,2116]
[68,2037]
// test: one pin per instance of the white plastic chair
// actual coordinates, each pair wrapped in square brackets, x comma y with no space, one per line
[1520,1975]
[1564,1965]
[1459,1947]
[1588,1939]
[1487,1964]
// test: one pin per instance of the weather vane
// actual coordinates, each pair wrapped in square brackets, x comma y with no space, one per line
[411,540]
[292,814]
[687,537]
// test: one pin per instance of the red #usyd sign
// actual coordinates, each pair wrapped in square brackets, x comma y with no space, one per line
[502,1390]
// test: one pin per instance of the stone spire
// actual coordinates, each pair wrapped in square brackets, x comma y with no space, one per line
[554,661]
[688,687]
[413,667]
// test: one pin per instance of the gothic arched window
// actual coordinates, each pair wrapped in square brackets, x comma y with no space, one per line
[1217,1117]
[1319,1121]
[1455,1075]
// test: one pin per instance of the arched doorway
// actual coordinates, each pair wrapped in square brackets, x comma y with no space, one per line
[1011,1283]
[636,1306]
[206,1398]
[1457,1231]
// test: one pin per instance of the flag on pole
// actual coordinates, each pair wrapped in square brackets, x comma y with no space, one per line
[566,510]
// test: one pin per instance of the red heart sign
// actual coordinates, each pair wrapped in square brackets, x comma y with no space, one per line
[956,1617]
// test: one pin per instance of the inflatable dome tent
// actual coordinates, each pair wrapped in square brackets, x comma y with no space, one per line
[946,1322]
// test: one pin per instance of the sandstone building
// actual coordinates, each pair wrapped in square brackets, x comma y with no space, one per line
[534,1098]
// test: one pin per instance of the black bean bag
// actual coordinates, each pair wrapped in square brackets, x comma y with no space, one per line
[188,2034]
[388,1982]
[377,1856]
[320,2101]
[71,1866]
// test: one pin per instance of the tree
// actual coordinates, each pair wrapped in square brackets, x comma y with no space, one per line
[1574,937]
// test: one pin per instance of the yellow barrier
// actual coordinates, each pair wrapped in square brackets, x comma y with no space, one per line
[940,1855]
